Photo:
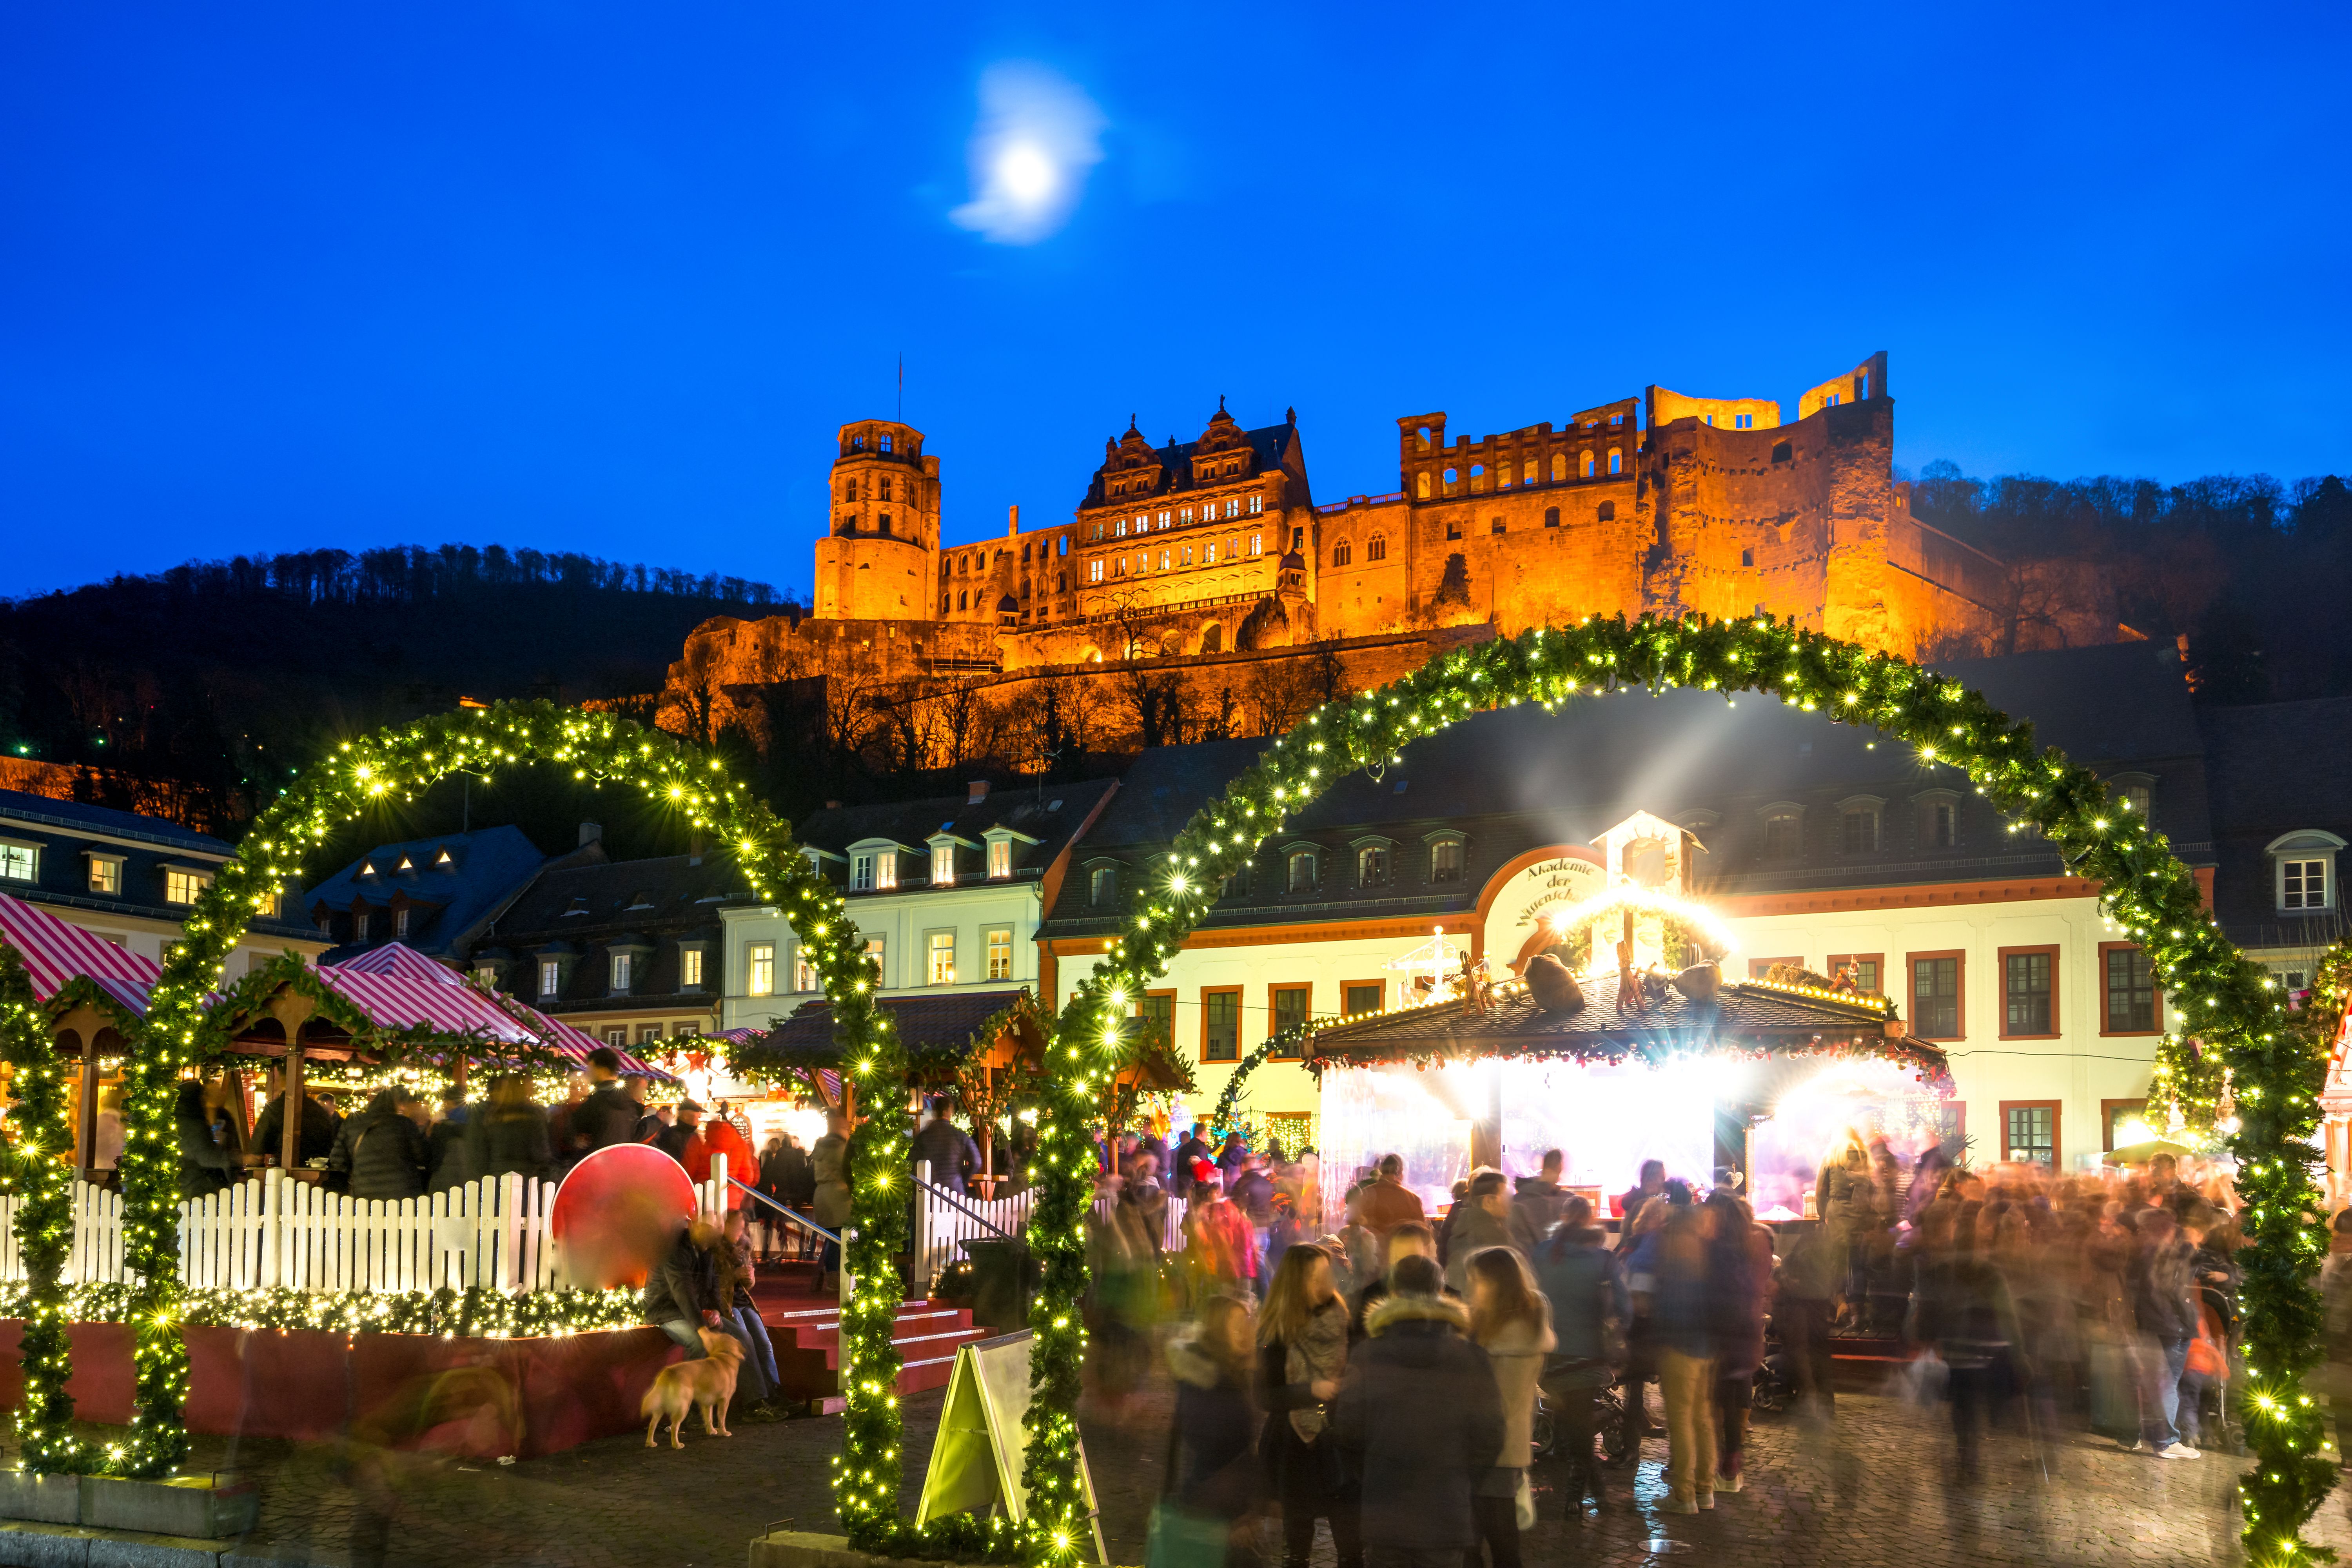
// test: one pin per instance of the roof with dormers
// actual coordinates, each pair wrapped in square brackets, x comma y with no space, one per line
[1270,447]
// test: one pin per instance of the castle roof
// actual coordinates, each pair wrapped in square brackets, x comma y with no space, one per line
[1269,447]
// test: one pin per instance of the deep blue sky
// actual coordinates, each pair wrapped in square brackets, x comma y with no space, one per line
[606,277]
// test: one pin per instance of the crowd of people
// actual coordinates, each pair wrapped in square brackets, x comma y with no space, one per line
[1396,1374]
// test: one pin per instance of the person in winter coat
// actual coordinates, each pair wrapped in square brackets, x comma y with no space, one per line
[1421,1412]
[318,1135]
[1211,1472]
[509,1135]
[1481,1220]
[1253,1190]
[1410,1240]
[1738,1283]
[1962,1308]
[739,1314]
[1585,1286]
[1670,1269]
[205,1164]
[717,1135]
[445,1144]
[1302,1354]
[953,1157]
[682,1293]
[1804,1300]
[1221,1253]
[1389,1202]
[608,1116]
[2164,1305]
[1511,1321]
[381,1152]
[829,1164]
[1537,1203]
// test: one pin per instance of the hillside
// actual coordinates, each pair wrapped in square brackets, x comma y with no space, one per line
[222,676]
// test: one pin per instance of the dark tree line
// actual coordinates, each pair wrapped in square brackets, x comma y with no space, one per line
[224,676]
[2248,570]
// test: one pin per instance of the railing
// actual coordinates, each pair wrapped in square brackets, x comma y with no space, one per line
[1339,506]
[275,1232]
[945,1221]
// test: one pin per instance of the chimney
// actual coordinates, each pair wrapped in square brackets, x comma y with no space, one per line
[1013,522]
[590,832]
[979,792]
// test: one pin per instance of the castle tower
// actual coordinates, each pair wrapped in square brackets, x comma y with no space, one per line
[880,552]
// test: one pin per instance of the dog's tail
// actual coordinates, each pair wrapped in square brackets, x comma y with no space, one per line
[652,1398]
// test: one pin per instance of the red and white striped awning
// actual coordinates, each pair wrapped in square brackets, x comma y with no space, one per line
[400,988]
[56,950]
[396,961]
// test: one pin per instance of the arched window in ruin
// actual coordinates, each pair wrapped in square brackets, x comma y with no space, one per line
[1342,554]
[1172,646]
[1450,477]
[1420,484]
[963,600]
[1588,465]
[943,604]
[1616,460]
[1213,639]
[1420,438]
[1376,548]
[1558,467]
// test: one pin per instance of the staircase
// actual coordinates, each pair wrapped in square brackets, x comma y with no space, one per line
[806,1332]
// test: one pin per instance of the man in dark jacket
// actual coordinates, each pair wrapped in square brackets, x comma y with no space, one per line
[316,1137]
[953,1157]
[381,1152]
[682,1295]
[1586,1287]
[673,1138]
[2162,1283]
[1536,1205]
[608,1116]
[1420,1410]
[207,1164]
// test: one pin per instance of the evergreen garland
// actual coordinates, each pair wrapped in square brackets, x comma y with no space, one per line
[2232,1008]
[42,1175]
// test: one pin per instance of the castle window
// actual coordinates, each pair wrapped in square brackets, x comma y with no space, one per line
[1477,472]
[1497,526]
[1143,523]
[1213,640]
[1551,516]
[1025,550]
[1376,548]
[849,490]
[1832,401]
[1258,505]
[1588,465]
[1163,560]
[1118,529]
[1616,419]
[1502,476]
[963,600]
[1743,422]
[1094,571]
[1452,478]
[943,604]
[1234,507]
[886,482]
[1747,558]
[1062,545]
[1782,452]
[1558,467]
[1452,528]
[884,445]
[1257,544]
[1165,518]
[857,443]
[1184,515]
[1528,475]
[1208,553]
[1420,438]
[1710,418]
[1608,512]
[1616,461]
[1861,386]
[1342,554]
[1185,556]
[886,524]
[1120,571]
[1421,485]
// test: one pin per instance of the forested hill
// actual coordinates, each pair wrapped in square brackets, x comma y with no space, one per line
[224,675]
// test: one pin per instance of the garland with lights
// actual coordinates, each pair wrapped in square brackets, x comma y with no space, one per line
[42,1175]
[394,766]
[1283,1043]
[2232,1005]
[475,1311]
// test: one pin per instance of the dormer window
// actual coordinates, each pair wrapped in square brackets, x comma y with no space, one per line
[999,859]
[21,862]
[885,870]
[1301,865]
[1858,825]
[550,976]
[942,864]
[2134,793]
[2304,880]
[1102,886]
[405,865]
[861,873]
[400,923]
[367,870]
[444,861]
[578,907]
[1372,866]
[1784,832]
[1446,860]
[625,966]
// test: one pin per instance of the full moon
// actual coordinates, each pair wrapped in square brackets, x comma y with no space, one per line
[1027,175]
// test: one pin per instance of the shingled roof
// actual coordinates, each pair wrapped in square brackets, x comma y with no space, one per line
[938,1032]
[1747,1018]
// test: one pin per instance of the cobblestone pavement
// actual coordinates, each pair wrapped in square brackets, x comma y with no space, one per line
[1870,1490]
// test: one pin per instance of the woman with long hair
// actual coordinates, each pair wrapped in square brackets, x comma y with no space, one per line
[1302,1339]
[1511,1320]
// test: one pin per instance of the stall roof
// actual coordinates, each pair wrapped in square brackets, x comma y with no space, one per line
[56,951]
[1747,1018]
[935,1030]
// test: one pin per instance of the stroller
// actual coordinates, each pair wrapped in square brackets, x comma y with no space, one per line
[2219,1332]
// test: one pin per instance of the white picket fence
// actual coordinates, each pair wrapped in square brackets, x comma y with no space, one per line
[277,1232]
[945,1221]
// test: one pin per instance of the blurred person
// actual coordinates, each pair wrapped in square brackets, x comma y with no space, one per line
[1538,1203]
[829,1167]
[2164,1307]
[682,1291]
[381,1152]
[676,1129]
[1482,1219]
[1232,1160]
[509,1135]
[1643,1236]
[1670,1267]
[1585,1286]
[1221,1255]
[1250,1187]
[1738,1285]
[1124,1263]
[1423,1417]
[559,1116]
[1303,1353]
[1360,1246]
[607,1114]
[799,1178]
[1389,1202]
[714,1136]
[953,1157]
[1962,1311]
[769,1184]
[757,1384]
[444,1144]
[1413,1239]
[1510,1320]
[1649,1185]
[106,1132]
[316,1140]
[1213,1477]
[205,1164]
[1456,1197]
[1804,1300]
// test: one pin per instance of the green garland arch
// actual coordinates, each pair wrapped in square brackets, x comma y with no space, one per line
[2232,1004]
[395,764]
[1285,1043]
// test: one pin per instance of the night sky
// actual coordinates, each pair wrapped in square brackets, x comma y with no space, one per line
[606,278]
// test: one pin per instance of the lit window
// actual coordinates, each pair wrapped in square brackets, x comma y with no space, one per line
[759,969]
[1257,544]
[1258,505]
[2032,1130]
[1164,560]
[106,874]
[2138,796]
[1000,953]
[689,966]
[1234,507]
[1094,569]
[1163,519]
[942,864]
[874,957]
[1103,887]
[1184,515]
[804,971]
[183,886]
[885,870]
[1118,530]
[1209,554]
[550,976]
[943,958]
[861,874]
[625,965]
[1446,860]
[22,863]
[487,974]
[1000,858]
[400,924]
[1342,554]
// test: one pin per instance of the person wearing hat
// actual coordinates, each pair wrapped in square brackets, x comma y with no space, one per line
[674,1139]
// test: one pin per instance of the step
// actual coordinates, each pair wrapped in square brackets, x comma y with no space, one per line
[808,1347]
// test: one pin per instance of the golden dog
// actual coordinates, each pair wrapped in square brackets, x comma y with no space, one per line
[707,1384]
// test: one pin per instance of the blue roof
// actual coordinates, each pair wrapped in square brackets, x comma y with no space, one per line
[73,814]
[484,870]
